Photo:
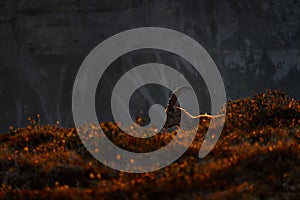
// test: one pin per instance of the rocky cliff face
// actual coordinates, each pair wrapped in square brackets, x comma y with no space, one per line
[255,45]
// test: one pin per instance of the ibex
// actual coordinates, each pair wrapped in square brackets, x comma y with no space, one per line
[173,112]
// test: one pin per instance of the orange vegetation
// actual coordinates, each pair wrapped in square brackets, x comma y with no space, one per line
[257,156]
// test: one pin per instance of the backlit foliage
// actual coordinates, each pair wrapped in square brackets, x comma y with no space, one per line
[257,156]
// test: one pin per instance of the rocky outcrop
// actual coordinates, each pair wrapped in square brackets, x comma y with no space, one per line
[255,45]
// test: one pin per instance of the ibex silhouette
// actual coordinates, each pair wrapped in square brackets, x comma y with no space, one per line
[173,112]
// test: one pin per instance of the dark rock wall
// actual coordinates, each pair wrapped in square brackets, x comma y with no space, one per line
[42,44]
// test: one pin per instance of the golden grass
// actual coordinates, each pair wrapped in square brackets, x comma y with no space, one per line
[257,156]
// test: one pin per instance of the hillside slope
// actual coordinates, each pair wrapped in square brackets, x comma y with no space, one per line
[257,156]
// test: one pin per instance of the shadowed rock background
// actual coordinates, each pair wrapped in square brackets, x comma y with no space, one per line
[255,45]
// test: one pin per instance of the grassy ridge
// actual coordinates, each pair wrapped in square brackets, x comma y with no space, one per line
[257,156]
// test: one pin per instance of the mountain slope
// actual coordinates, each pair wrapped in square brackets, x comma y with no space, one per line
[257,156]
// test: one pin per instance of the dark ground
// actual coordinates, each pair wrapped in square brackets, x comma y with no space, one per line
[256,157]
